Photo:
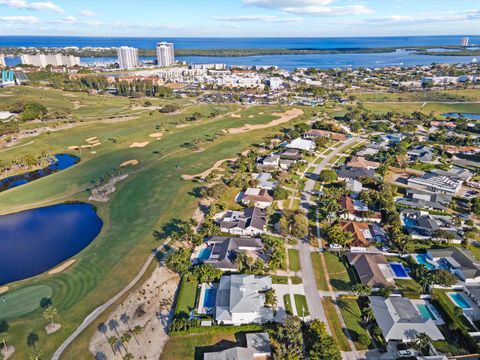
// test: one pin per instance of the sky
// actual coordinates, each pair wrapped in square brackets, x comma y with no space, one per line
[249,18]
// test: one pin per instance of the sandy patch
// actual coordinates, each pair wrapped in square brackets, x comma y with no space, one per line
[62,267]
[155,296]
[77,105]
[3,289]
[284,117]
[93,152]
[250,116]
[70,95]
[157,135]
[74,147]
[91,139]
[182,126]
[139,144]
[51,328]
[261,113]
[235,116]
[85,146]
[96,144]
[118,119]
[141,107]
[129,162]
[207,172]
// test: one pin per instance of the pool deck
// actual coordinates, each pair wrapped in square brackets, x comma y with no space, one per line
[201,299]
[473,312]
[438,317]
[196,252]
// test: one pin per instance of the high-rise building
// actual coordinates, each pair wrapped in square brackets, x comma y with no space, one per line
[43,60]
[465,42]
[2,61]
[165,54]
[127,57]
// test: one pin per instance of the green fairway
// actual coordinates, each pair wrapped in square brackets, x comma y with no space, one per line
[24,301]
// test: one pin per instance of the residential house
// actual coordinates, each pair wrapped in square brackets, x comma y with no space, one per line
[222,251]
[361,162]
[370,149]
[356,210]
[360,231]
[435,183]
[420,199]
[354,186]
[268,163]
[400,320]
[349,173]
[458,261]
[257,197]
[264,181]
[302,144]
[291,154]
[249,222]
[315,133]
[392,138]
[455,173]
[425,226]
[421,153]
[257,347]
[372,269]
[240,299]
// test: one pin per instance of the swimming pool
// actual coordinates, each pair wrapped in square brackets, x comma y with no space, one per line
[204,254]
[422,259]
[409,222]
[459,300]
[399,270]
[426,312]
[209,298]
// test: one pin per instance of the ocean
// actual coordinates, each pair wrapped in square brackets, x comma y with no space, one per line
[399,58]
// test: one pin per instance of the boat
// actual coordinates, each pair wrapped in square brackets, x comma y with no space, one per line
[474,61]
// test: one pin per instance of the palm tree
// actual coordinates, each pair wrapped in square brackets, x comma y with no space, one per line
[422,341]
[3,339]
[32,338]
[125,338]
[367,314]
[49,313]
[112,341]
[376,331]
[128,356]
[136,331]
[34,355]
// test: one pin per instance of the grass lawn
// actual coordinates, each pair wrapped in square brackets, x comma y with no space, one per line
[296,280]
[294,260]
[318,270]
[288,304]
[193,346]
[228,199]
[278,279]
[409,287]
[352,316]
[23,301]
[186,298]
[341,276]
[335,325]
[301,305]
[443,301]
[152,197]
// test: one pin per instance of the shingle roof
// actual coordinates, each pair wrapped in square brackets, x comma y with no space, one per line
[368,268]
[225,249]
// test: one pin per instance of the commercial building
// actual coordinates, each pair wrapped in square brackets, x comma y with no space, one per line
[43,60]
[127,57]
[435,183]
[165,54]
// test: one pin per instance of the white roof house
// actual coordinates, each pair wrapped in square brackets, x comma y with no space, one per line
[400,320]
[302,144]
[241,300]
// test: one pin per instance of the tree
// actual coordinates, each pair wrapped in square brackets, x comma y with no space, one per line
[271,298]
[179,261]
[112,341]
[475,205]
[385,291]
[367,314]
[328,176]
[4,326]
[49,313]
[288,339]
[34,355]
[3,340]
[444,278]
[363,339]
[207,273]
[280,193]
[32,339]
[319,345]
[128,356]
[125,338]
[361,290]
[422,341]
[299,227]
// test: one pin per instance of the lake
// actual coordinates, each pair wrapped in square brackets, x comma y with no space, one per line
[62,162]
[467,116]
[36,240]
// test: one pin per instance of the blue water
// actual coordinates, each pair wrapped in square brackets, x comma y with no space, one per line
[467,116]
[459,300]
[289,62]
[426,312]
[422,259]
[36,240]
[210,296]
[399,270]
[62,162]
[204,254]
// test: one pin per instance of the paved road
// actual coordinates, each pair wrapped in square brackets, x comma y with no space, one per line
[98,311]
[314,300]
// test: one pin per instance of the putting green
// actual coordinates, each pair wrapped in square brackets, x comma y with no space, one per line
[23,301]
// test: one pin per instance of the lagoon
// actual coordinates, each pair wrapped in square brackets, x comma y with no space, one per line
[467,116]
[36,240]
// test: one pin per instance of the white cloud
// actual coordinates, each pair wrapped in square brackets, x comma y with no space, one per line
[261,18]
[310,7]
[439,17]
[88,13]
[21,19]
[23,4]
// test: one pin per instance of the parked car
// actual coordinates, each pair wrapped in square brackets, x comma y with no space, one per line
[406,353]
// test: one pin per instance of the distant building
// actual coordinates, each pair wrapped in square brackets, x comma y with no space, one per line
[43,60]
[7,78]
[127,57]
[2,61]
[275,83]
[165,54]
[465,42]
[435,183]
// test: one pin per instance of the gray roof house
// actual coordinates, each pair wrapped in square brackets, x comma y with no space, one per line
[241,299]
[224,250]
[424,226]
[456,173]
[421,199]
[421,153]
[346,173]
[258,346]
[264,180]
[251,221]
[458,261]
[435,183]
[400,320]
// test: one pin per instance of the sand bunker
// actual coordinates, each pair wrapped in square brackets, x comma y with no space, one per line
[235,115]
[261,113]
[93,152]
[95,144]
[204,174]
[139,144]
[70,95]
[182,126]
[74,147]
[92,139]
[129,162]
[62,267]
[157,135]
[3,289]
[284,117]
